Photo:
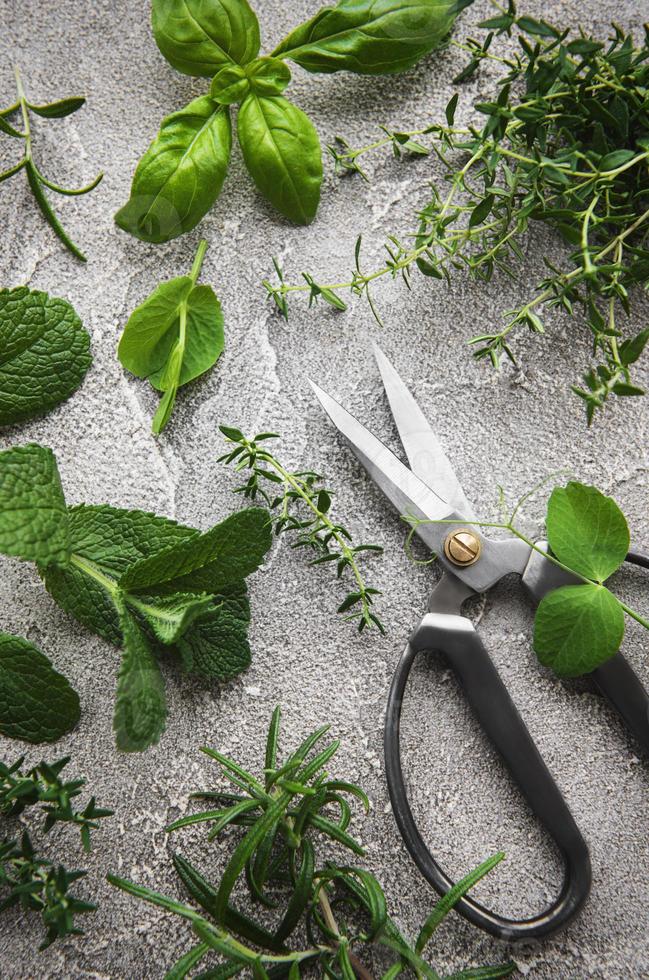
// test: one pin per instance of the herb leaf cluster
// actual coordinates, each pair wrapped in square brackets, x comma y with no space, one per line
[182,172]
[174,336]
[142,582]
[287,816]
[26,878]
[44,353]
[300,504]
[37,181]
[564,142]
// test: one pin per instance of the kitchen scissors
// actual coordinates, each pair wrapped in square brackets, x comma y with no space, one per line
[472,563]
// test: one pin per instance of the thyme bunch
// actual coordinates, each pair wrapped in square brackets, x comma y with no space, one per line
[286,817]
[564,141]
[300,503]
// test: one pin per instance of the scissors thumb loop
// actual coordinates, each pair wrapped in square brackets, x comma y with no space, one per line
[454,637]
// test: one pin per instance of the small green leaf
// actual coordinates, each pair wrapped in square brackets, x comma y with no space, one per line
[169,617]
[587,531]
[577,628]
[59,109]
[231,84]
[37,704]
[631,349]
[281,150]
[140,704]
[34,521]
[268,76]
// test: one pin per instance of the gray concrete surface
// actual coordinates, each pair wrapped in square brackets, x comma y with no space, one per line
[510,429]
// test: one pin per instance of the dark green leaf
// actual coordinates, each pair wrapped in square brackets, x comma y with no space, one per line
[56,110]
[34,522]
[140,704]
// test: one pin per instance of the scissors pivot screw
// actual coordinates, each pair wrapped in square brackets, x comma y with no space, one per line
[462,547]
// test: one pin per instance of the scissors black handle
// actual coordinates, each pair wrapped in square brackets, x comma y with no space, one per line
[457,641]
[500,719]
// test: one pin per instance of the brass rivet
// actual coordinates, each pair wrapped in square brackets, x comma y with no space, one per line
[462,547]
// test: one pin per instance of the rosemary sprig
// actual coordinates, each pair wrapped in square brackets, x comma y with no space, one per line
[36,180]
[571,151]
[301,504]
[286,816]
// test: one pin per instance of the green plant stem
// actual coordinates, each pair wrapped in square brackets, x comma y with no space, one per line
[323,900]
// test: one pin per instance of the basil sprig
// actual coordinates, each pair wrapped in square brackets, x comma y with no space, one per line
[182,172]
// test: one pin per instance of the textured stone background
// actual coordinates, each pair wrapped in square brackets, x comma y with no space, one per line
[510,429]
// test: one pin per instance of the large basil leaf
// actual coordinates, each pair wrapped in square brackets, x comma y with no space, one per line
[369,37]
[198,37]
[281,150]
[181,174]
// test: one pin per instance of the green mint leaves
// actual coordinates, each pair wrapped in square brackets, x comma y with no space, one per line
[37,704]
[174,336]
[44,353]
[142,582]
[38,183]
[182,172]
[369,38]
[579,627]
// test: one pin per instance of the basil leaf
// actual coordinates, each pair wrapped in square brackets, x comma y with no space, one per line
[268,76]
[181,174]
[577,628]
[37,704]
[281,150]
[369,37]
[34,521]
[587,531]
[140,705]
[44,353]
[230,85]
[198,37]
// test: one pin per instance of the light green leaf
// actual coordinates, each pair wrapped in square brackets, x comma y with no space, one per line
[169,617]
[44,353]
[281,150]
[268,76]
[587,531]
[577,628]
[34,521]
[140,705]
[227,552]
[198,37]
[369,37]
[230,85]
[181,174]
[37,704]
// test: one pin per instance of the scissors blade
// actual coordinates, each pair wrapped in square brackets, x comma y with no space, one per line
[403,488]
[425,454]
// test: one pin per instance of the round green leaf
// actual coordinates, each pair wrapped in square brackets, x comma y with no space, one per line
[577,628]
[268,76]
[37,704]
[199,37]
[230,85]
[587,531]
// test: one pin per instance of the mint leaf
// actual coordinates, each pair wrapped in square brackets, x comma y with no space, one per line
[174,336]
[229,551]
[44,353]
[105,541]
[140,706]
[37,704]
[217,645]
[33,517]
[577,628]
[169,617]
[587,531]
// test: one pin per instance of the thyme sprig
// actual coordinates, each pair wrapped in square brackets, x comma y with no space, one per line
[300,503]
[565,142]
[286,816]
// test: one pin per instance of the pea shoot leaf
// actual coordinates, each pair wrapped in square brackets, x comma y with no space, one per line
[44,353]
[34,522]
[37,704]
[587,531]
[577,628]
[174,336]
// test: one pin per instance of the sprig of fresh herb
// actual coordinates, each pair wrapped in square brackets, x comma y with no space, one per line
[28,879]
[300,503]
[142,582]
[286,816]
[36,180]
[44,353]
[174,336]
[565,142]
[182,172]
[577,627]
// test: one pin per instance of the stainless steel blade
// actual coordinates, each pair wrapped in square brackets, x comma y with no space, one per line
[403,488]
[425,454]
